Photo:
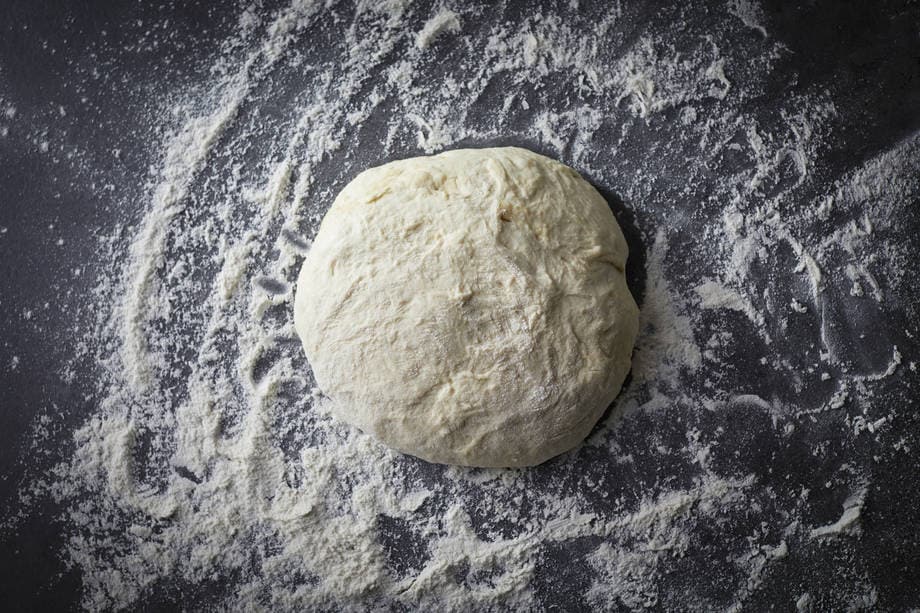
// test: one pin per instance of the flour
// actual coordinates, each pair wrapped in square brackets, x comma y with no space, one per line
[666,344]
[8,115]
[848,522]
[750,15]
[210,463]
[443,22]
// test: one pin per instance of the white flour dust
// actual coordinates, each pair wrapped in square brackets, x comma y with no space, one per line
[211,463]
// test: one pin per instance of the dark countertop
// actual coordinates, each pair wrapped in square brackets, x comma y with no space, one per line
[83,80]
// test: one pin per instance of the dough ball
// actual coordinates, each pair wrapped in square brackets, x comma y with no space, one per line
[469,307]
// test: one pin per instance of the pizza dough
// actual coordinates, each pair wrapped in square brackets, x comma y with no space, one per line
[469,307]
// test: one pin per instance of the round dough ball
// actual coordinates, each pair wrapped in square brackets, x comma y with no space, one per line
[469,307]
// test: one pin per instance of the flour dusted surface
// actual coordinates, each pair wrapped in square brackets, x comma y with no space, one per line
[207,466]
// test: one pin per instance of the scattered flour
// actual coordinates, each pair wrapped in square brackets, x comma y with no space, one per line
[444,21]
[848,522]
[211,460]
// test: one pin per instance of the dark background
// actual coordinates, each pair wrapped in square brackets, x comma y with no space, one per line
[47,54]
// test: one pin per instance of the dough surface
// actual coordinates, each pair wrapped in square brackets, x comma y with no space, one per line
[469,307]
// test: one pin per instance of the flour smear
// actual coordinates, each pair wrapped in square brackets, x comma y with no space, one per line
[210,464]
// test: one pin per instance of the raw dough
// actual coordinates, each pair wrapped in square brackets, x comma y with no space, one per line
[469,307]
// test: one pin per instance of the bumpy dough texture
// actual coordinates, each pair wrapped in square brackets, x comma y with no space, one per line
[469,307]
